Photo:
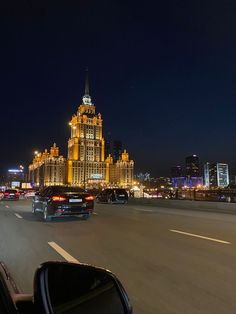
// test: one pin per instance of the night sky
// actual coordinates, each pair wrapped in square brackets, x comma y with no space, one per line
[162,74]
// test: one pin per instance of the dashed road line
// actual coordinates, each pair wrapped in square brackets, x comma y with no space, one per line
[200,236]
[18,216]
[6,206]
[95,214]
[62,252]
[144,210]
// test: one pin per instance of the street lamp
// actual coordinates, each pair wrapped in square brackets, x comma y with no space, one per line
[85,159]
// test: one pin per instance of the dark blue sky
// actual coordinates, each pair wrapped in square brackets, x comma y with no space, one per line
[163,75]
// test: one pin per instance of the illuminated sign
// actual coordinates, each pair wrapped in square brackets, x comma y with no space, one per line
[97,176]
[26,185]
[15,184]
[15,170]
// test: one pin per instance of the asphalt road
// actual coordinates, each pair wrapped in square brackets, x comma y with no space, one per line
[169,260]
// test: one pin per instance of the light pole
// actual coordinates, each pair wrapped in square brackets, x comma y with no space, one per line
[22,171]
[85,160]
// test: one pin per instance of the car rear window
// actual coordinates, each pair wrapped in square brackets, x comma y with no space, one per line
[11,191]
[120,191]
[65,189]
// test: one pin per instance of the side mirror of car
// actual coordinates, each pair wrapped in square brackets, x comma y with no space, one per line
[61,287]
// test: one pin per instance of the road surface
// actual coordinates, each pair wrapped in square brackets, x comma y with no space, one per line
[169,260]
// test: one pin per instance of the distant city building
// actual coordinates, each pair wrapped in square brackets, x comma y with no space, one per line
[86,146]
[113,148]
[192,178]
[117,150]
[160,182]
[48,168]
[86,166]
[216,175]
[232,179]
[178,182]
[121,173]
[222,174]
[194,182]
[192,166]
[142,177]
[108,148]
[15,177]
[176,171]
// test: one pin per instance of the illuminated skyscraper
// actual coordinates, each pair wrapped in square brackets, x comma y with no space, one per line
[176,172]
[86,151]
[192,176]
[216,175]
[192,166]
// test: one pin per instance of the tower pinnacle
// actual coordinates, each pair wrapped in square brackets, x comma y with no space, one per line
[86,97]
[86,93]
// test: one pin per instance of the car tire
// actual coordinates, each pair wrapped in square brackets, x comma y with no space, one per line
[45,214]
[85,216]
[109,201]
[33,209]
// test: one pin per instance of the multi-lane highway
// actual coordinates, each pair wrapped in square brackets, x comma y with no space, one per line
[170,260]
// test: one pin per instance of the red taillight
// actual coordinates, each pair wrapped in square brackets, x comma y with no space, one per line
[58,198]
[17,194]
[89,198]
[6,194]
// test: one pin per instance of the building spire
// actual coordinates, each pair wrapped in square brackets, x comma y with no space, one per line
[86,93]
[86,97]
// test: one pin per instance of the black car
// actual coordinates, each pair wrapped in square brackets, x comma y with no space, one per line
[54,201]
[11,194]
[113,196]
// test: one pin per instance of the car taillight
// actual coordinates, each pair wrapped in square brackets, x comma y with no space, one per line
[89,198]
[6,193]
[58,198]
[17,194]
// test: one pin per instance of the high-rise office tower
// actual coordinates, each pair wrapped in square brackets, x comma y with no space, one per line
[117,150]
[216,175]
[192,166]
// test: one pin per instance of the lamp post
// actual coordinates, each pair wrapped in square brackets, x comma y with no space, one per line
[22,171]
[85,159]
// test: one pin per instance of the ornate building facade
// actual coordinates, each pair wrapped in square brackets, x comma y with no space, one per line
[86,165]
[48,168]
[86,146]
[120,173]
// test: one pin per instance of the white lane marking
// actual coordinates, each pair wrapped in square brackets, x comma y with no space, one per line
[95,213]
[18,216]
[63,253]
[143,210]
[6,206]
[200,236]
